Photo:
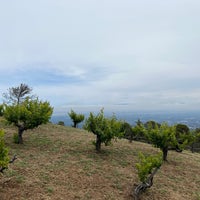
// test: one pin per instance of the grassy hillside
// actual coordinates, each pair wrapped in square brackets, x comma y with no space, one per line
[58,162]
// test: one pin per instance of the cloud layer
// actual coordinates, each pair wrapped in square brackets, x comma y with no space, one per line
[118,54]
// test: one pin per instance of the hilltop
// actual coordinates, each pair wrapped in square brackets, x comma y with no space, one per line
[57,162]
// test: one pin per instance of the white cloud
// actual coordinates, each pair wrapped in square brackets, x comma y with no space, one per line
[138,53]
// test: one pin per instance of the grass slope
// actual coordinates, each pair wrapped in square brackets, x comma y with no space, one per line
[58,162]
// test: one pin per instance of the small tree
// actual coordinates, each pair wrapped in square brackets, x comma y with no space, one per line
[104,128]
[128,132]
[197,135]
[195,144]
[17,95]
[28,115]
[147,168]
[146,164]
[152,124]
[139,133]
[76,118]
[183,136]
[162,137]
[61,123]
[4,159]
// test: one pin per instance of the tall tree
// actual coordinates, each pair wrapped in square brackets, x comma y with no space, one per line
[17,95]
[104,128]
[28,115]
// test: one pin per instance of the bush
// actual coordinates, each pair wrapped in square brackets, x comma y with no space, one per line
[104,128]
[162,137]
[15,138]
[61,123]
[139,133]
[28,115]
[147,168]
[128,132]
[147,164]
[4,159]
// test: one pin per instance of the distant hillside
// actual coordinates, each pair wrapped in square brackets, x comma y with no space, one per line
[60,163]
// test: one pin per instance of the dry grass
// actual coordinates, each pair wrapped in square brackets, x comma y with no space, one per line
[59,162]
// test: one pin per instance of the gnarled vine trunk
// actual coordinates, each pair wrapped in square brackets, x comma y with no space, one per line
[20,132]
[11,161]
[75,124]
[165,152]
[144,185]
[98,143]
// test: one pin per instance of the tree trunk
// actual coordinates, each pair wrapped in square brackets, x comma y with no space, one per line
[146,184]
[131,138]
[75,124]
[20,132]
[98,143]
[165,151]
[192,147]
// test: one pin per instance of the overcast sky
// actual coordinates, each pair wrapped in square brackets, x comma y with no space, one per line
[117,54]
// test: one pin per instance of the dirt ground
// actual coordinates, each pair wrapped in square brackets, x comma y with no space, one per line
[57,162]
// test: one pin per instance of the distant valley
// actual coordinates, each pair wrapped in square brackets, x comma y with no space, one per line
[190,118]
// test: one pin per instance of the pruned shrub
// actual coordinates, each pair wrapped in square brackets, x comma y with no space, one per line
[61,123]
[4,159]
[147,167]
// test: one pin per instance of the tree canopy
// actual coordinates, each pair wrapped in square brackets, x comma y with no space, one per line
[104,128]
[146,164]
[17,95]
[76,118]
[28,115]
[162,137]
